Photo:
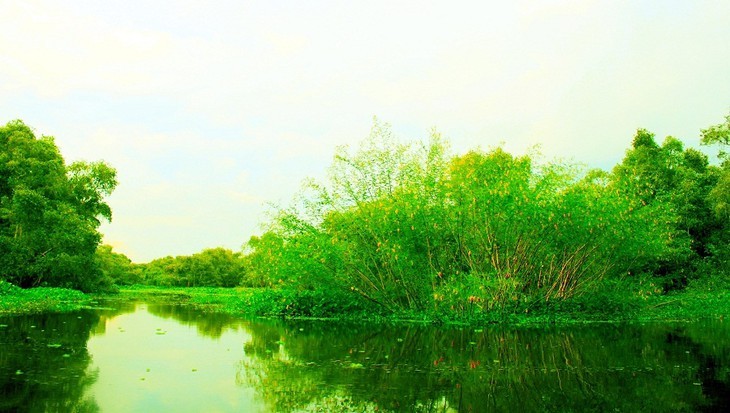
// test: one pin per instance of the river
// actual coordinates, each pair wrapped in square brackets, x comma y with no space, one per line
[155,357]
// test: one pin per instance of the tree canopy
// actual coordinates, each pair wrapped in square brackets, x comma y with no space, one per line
[49,212]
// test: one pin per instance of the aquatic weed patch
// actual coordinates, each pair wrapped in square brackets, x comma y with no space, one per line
[14,300]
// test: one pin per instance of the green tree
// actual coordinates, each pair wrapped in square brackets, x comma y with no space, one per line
[650,176]
[717,134]
[219,267]
[689,190]
[719,196]
[407,227]
[263,260]
[160,272]
[214,267]
[49,213]
[117,267]
[361,231]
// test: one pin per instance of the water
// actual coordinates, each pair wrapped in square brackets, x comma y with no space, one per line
[142,357]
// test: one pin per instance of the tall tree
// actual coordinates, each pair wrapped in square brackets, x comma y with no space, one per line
[680,181]
[49,212]
[720,196]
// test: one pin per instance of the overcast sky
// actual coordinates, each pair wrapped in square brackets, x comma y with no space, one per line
[210,110]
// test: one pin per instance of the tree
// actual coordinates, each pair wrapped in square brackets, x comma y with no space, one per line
[719,196]
[117,267]
[680,182]
[49,212]
[213,267]
[219,267]
[717,134]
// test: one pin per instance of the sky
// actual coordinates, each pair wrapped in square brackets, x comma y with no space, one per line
[213,111]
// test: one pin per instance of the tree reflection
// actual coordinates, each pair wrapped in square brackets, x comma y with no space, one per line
[208,324]
[44,362]
[319,366]
[308,366]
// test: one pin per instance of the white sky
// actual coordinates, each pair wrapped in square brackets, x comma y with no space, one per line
[210,110]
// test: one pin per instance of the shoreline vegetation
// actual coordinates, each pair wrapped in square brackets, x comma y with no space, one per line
[402,232]
[700,300]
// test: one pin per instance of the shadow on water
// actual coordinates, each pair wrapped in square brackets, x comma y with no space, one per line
[46,364]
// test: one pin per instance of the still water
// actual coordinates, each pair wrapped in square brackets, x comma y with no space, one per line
[147,357]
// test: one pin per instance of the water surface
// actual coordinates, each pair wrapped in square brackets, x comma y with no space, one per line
[138,357]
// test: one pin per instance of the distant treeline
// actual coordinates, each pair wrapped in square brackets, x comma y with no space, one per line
[215,267]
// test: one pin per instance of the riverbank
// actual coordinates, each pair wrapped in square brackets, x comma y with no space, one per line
[618,302]
[701,300]
[15,300]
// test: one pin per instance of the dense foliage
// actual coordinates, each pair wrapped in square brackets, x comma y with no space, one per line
[215,267]
[408,229]
[719,194]
[682,181]
[411,228]
[49,213]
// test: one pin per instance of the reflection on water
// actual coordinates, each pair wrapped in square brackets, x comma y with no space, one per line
[44,362]
[170,358]
[153,357]
[629,368]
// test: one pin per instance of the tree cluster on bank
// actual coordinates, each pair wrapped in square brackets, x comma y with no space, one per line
[410,227]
